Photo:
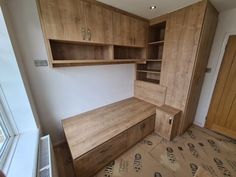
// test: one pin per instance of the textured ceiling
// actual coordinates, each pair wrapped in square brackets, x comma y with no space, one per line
[141,7]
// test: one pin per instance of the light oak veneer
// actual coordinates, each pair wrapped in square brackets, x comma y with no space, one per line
[89,130]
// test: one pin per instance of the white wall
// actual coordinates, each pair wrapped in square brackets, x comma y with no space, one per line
[64,92]
[226,26]
[12,85]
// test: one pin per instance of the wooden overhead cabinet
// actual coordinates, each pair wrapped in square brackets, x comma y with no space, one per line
[139,32]
[74,20]
[98,24]
[81,33]
[129,31]
[121,32]
[63,19]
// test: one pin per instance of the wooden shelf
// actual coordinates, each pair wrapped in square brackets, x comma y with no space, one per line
[70,53]
[154,60]
[156,81]
[124,52]
[156,43]
[68,63]
[149,71]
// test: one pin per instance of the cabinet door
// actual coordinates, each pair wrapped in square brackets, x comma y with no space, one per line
[63,19]
[167,122]
[121,29]
[140,131]
[139,30]
[51,19]
[98,23]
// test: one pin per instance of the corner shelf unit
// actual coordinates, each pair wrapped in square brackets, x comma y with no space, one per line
[70,53]
[150,71]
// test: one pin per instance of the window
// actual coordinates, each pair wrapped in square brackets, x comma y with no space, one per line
[4,134]
[19,131]
[6,131]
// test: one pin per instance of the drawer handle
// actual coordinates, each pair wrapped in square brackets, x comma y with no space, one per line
[143,126]
[83,33]
[89,34]
[104,150]
[170,120]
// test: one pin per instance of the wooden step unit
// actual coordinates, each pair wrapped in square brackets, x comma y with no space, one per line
[99,136]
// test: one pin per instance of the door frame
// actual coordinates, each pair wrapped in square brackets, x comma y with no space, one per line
[221,57]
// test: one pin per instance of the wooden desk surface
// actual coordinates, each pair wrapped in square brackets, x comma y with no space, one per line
[91,129]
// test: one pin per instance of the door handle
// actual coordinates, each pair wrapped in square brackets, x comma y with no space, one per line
[89,34]
[170,120]
[83,33]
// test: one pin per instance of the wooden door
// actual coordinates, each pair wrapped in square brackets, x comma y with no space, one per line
[99,24]
[139,32]
[63,19]
[122,29]
[222,113]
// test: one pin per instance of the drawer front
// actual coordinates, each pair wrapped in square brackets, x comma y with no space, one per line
[96,159]
[141,130]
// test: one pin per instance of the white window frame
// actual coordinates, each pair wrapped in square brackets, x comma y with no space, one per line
[10,127]
[25,142]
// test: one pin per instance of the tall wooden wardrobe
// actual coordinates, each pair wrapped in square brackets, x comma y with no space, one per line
[173,77]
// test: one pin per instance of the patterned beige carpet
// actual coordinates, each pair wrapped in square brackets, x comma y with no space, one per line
[156,157]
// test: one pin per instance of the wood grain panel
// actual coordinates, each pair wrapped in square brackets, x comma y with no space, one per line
[182,36]
[150,92]
[93,161]
[204,49]
[63,19]
[167,121]
[121,29]
[139,30]
[98,23]
[128,31]
[104,123]
[158,20]
[141,130]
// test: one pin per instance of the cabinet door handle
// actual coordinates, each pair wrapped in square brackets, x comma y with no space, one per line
[143,126]
[134,40]
[89,34]
[170,120]
[83,33]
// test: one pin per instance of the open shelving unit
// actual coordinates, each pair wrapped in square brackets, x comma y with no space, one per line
[150,71]
[69,53]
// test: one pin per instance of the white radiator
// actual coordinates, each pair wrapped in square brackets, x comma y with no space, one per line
[46,162]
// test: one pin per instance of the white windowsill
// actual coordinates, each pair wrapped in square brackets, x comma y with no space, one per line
[23,162]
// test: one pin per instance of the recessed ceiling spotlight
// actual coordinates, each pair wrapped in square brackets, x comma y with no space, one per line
[152,7]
